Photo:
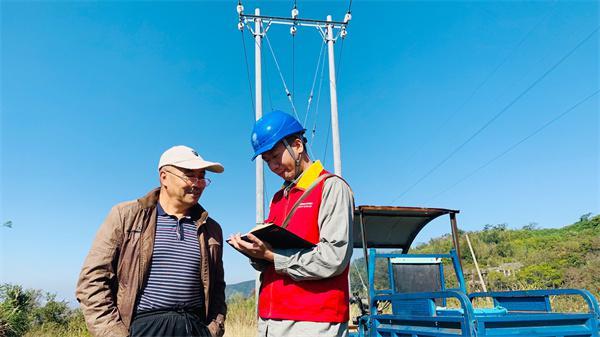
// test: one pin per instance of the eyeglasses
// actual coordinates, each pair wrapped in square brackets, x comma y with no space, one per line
[203,182]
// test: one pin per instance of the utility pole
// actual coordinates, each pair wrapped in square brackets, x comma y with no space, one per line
[260,176]
[335,134]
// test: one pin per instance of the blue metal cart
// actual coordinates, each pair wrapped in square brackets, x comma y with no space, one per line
[416,300]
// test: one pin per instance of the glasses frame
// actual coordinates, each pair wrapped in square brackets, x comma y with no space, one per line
[204,182]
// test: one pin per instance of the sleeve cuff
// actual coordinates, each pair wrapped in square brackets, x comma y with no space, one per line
[281,261]
[259,265]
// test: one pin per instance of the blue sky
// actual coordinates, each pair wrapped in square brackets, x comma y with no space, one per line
[93,92]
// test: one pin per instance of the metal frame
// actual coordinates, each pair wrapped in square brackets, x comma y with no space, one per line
[295,21]
[522,313]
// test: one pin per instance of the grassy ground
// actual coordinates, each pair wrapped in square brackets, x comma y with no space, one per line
[241,317]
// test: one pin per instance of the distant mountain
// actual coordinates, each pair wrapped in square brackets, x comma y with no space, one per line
[245,289]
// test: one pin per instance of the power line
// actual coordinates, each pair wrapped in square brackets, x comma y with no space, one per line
[337,76]
[512,147]
[320,66]
[314,128]
[267,79]
[248,73]
[419,148]
[287,92]
[312,89]
[497,115]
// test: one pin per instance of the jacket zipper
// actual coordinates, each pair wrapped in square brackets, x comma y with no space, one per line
[140,262]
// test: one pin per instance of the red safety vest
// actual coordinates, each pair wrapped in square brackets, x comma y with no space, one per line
[281,297]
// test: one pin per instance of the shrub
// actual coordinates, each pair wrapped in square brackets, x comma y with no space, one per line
[28,313]
[15,309]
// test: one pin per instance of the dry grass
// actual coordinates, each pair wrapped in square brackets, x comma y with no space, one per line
[241,317]
[240,330]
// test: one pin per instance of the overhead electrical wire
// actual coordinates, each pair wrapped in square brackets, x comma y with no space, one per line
[319,68]
[267,80]
[515,145]
[287,92]
[248,73]
[428,140]
[338,70]
[314,128]
[497,115]
[312,89]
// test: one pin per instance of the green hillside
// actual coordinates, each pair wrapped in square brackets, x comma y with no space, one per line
[244,289]
[518,259]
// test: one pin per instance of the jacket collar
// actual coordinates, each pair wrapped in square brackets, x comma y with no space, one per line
[310,175]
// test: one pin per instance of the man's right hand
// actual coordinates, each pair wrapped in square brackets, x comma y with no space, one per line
[256,248]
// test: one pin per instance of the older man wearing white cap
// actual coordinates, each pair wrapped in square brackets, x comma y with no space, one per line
[155,267]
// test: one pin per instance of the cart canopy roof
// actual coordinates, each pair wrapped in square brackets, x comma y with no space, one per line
[392,226]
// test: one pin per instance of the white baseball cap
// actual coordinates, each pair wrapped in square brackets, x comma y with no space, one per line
[187,158]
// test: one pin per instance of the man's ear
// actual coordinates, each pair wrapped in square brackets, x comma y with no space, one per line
[162,175]
[299,145]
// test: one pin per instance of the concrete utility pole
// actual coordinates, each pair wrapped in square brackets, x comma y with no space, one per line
[335,134]
[260,176]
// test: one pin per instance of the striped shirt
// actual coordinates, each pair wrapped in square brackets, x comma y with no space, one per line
[174,279]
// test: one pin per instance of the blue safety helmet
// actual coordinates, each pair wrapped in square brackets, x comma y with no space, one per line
[272,128]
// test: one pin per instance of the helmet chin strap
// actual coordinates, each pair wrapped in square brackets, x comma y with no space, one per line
[297,168]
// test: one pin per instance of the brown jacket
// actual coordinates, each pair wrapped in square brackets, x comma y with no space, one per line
[117,267]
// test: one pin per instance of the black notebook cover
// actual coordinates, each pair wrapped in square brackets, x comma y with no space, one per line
[278,237]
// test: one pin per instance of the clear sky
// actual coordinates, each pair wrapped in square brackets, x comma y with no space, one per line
[442,104]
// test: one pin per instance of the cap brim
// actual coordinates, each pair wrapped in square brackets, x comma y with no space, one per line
[200,164]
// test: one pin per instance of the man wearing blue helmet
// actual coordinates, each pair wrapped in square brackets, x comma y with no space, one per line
[304,292]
